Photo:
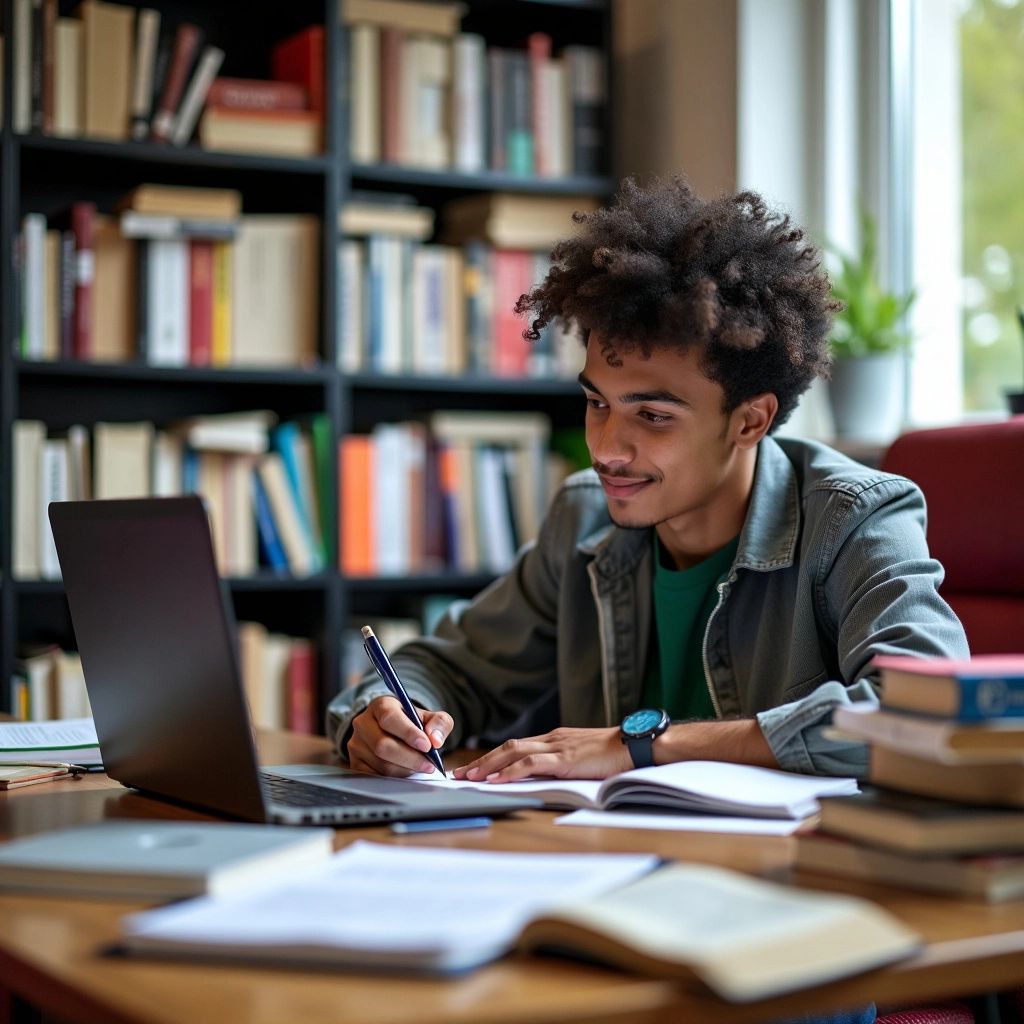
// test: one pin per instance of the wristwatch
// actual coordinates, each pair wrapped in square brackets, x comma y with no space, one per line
[639,730]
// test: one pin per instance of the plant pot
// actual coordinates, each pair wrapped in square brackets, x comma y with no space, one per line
[867,397]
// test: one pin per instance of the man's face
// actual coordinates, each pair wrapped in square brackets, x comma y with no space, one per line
[658,436]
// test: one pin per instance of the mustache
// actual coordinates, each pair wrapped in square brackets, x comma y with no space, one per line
[618,474]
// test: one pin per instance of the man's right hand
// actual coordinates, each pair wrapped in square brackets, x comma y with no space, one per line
[385,742]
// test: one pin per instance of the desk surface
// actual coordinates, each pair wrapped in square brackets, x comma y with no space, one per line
[52,949]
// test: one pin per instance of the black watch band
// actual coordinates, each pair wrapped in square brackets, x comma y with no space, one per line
[639,730]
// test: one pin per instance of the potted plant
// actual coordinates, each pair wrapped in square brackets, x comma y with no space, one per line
[867,341]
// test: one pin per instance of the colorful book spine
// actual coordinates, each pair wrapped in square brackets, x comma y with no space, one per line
[271,548]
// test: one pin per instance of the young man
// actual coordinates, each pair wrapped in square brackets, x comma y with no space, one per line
[731,587]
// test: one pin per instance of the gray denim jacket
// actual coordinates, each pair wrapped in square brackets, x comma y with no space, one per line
[832,568]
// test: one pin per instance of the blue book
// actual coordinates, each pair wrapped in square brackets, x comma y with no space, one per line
[271,549]
[287,440]
[968,689]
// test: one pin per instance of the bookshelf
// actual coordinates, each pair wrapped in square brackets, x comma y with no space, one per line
[42,173]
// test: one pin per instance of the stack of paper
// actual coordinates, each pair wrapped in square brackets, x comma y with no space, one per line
[71,739]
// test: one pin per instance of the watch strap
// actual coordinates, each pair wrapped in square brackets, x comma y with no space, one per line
[641,750]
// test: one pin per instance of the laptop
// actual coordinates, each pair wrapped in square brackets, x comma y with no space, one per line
[156,633]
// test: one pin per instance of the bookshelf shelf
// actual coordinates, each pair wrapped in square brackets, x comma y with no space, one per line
[485,181]
[262,583]
[461,582]
[155,155]
[469,384]
[143,373]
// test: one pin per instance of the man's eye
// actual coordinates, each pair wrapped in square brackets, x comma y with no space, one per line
[594,403]
[654,417]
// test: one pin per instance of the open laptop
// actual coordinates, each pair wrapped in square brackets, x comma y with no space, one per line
[156,633]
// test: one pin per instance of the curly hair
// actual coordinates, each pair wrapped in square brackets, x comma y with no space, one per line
[660,267]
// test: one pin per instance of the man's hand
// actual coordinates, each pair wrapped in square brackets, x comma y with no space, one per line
[562,754]
[385,742]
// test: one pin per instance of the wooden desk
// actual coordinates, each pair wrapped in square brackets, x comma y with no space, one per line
[52,950]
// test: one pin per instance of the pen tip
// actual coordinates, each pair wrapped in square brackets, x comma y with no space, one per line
[367,632]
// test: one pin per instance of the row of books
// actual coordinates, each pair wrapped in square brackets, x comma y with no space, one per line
[944,808]
[264,483]
[279,674]
[461,491]
[423,93]
[48,683]
[409,304]
[116,72]
[180,277]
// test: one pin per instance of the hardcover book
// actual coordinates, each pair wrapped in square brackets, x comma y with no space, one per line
[973,689]
[159,859]
[921,824]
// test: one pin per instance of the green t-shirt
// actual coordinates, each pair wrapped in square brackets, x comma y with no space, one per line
[683,602]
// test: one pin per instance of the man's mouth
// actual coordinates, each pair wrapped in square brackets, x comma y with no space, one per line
[622,486]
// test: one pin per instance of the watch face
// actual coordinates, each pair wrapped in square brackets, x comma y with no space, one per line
[641,721]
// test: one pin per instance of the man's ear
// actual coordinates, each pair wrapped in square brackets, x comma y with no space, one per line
[753,418]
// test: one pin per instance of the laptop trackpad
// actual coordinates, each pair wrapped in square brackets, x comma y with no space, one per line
[332,776]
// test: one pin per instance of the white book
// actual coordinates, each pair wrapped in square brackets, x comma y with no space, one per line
[242,556]
[427,130]
[469,131]
[430,312]
[122,454]
[744,938]
[351,305]
[497,541]
[79,462]
[33,310]
[273,680]
[147,33]
[70,694]
[71,740]
[21,93]
[195,95]
[53,486]
[391,511]
[364,90]
[29,437]
[167,302]
[168,464]
[159,859]
[557,132]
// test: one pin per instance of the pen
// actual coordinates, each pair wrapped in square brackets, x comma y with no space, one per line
[75,769]
[386,671]
[440,824]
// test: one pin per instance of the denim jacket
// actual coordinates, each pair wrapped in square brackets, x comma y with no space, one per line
[832,568]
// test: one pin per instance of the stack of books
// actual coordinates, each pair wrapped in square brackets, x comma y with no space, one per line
[944,810]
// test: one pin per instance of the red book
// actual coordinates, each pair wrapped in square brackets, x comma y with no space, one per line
[300,59]
[300,686]
[183,55]
[513,269]
[256,94]
[78,222]
[391,95]
[200,303]
[538,45]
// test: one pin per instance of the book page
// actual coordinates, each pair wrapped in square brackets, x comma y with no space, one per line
[388,906]
[682,822]
[745,938]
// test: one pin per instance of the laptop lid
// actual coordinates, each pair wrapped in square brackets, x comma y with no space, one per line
[156,633]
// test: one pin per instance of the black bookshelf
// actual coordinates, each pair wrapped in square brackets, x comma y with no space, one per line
[43,173]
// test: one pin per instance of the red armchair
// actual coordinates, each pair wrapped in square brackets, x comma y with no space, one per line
[973,481]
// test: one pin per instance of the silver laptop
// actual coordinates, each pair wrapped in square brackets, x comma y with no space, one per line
[156,633]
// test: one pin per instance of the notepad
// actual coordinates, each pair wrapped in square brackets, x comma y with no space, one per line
[418,909]
[711,787]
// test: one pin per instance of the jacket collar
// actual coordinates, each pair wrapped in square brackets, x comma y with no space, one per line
[768,538]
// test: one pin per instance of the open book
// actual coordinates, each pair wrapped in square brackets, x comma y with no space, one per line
[713,787]
[423,909]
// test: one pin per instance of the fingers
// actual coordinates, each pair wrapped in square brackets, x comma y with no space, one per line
[438,725]
[514,759]
[385,742]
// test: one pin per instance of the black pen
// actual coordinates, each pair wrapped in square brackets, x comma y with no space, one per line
[386,671]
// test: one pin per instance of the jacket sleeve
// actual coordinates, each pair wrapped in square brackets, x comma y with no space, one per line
[491,660]
[877,592]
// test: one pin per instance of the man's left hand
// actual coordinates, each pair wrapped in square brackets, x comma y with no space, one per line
[561,754]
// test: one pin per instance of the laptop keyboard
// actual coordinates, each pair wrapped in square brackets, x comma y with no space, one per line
[282,790]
